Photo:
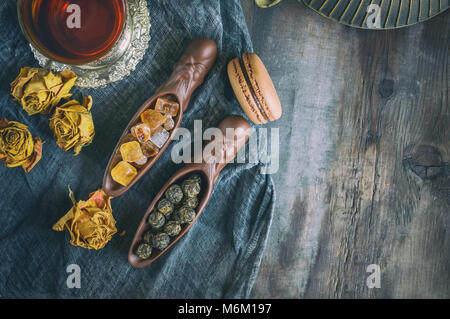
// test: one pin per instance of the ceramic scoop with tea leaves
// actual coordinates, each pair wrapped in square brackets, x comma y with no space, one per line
[186,194]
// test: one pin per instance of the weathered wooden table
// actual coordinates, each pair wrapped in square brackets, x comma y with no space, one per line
[364,171]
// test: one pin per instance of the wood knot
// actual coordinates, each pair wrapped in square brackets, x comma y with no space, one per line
[371,138]
[386,88]
[424,160]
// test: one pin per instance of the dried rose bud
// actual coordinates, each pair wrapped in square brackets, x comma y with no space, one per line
[90,223]
[39,91]
[72,125]
[17,145]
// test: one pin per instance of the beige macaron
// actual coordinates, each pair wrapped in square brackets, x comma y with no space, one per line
[254,89]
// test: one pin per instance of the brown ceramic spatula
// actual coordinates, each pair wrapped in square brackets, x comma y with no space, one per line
[209,172]
[188,74]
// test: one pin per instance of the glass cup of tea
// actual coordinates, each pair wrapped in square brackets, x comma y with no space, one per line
[88,36]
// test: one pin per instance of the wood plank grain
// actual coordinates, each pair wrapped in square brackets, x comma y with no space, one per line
[364,177]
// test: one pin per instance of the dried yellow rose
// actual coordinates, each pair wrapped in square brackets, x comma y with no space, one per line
[17,145]
[123,173]
[72,125]
[39,91]
[90,223]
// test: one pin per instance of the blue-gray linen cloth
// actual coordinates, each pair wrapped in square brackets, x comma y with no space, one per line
[220,255]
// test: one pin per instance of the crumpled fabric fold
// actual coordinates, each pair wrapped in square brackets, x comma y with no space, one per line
[218,258]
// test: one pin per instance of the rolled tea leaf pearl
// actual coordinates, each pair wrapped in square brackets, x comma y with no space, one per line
[174,194]
[190,188]
[161,241]
[186,215]
[156,219]
[172,228]
[144,251]
[165,206]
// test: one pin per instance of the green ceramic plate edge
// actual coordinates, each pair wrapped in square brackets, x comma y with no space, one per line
[323,7]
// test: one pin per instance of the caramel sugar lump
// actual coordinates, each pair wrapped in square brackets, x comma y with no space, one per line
[153,119]
[167,107]
[131,152]
[123,173]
